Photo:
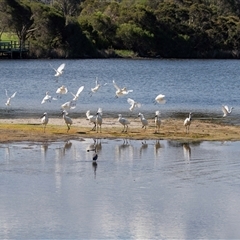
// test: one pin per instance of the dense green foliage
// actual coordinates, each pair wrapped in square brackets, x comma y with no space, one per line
[147,28]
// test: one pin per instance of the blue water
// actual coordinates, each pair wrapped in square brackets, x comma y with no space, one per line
[199,86]
[152,190]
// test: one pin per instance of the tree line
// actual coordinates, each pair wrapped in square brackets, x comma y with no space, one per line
[147,28]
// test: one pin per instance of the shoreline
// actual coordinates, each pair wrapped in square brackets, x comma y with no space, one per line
[30,129]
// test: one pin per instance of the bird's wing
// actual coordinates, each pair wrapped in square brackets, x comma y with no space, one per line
[116,86]
[157,113]
[61,67]
[225,109]
[79,91]
[99,111]
[139,105]
[13,95]
[6,93]
[130,101]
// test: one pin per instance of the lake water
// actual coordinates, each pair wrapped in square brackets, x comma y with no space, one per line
[150,190]
[199,86]
[137,190]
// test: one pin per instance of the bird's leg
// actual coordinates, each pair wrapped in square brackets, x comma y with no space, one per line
[126,128]
[68,127]
[94,127]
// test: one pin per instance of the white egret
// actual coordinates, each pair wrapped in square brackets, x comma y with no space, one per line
[226,110]
[97,86]
[8,102]
[47,98]
[157,121]
[160,99]
[143,120]
[124,122]
[62,90]
[121,91]
[67,119]
[92,119]
[133,104]
[99,119]
[76,96]
[44,120]
[59,70]
[187,122]
[68,105]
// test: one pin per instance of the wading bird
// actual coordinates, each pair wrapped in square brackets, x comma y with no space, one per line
[67,119]
[157,121]
[143,120]
[47,98]
[160,99]
[124,122]
[226,110]
[8,102]
[92,119]
[187,122]
[133,104]
[99,120]
[59,70]
[44,120]
[121,91]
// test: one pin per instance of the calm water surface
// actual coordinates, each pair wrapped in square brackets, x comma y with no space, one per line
[199,86]
[137,190]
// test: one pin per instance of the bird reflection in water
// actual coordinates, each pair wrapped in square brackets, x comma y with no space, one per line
[187,151]
[66,147]
[143,147]
[95,147]
[157,146]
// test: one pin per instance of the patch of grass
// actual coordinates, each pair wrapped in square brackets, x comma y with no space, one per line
[8,36]
[125,53]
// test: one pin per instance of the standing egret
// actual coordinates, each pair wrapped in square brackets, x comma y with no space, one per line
[226,110]
[44,120]
[157,121]
[99,119]
[47,98]
[59,70]
[187,122]
[160,99]
[133,104]
[121,91]
[67,119]
[143,120]
[124,122]
[97,86]
[8,102]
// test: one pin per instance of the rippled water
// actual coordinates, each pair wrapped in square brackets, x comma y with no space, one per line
[199,86]
[137,190]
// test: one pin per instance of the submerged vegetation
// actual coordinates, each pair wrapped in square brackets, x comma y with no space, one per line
[136,28]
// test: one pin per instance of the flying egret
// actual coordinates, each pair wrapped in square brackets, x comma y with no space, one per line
[92,119]
[124,122]
[143,120]
[226,110]
[187,122]
[97,86]
[47,98]
[157,121]
[68,105]
[121,91]
[62,90]
[76,96]
[44,120]
[8,102]
[59,70]
[67,119]
[133,104]
[99,119]
[160,99]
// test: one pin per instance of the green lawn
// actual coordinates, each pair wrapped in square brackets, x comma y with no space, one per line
[9,37]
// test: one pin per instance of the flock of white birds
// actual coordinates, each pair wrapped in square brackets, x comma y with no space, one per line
[97,118]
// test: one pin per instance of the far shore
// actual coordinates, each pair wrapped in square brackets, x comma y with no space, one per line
[13,130]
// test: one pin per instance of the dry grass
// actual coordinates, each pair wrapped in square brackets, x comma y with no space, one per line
[31,130]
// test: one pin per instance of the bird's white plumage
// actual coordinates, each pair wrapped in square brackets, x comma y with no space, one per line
[160,99]
[59,70]
[124,122]
[226,110]
[99,119]
[91,118]
[121,91]
[44,120]
[187,122]
[8,102]
[157,121]
[67,119]
[62,90]
[76,96]
[68,105]
[144,121]
[47,98]
[133,104]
